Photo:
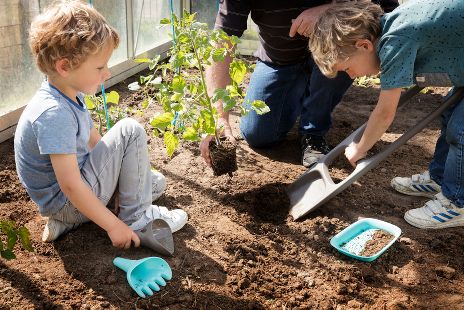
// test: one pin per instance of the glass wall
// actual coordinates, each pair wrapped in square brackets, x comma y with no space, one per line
[137,22]
[206,10]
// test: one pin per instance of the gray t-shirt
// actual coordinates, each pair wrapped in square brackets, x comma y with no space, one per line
[51,123]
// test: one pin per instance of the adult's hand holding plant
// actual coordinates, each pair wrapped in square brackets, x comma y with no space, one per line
[189,112]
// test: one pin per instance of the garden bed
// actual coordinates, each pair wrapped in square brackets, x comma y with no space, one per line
[240,250]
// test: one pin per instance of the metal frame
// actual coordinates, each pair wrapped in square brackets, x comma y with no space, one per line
[120,71]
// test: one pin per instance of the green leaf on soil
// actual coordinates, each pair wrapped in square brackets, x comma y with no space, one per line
[24,237]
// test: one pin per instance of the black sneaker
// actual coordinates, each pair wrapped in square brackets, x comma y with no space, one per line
[312,149]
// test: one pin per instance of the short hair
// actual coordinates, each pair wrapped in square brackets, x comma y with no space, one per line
[71,30]
[337,29]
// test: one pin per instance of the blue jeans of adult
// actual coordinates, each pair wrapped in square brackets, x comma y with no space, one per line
[447,166]
[290,91]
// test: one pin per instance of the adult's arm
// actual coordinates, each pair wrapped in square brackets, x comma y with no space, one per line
[232,18]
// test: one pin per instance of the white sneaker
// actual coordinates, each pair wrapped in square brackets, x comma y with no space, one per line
[436,213]
[176,219]
[158,184]
[54,228]
[417,185]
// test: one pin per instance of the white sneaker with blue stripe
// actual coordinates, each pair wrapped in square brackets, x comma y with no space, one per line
[436,213]
[417,185]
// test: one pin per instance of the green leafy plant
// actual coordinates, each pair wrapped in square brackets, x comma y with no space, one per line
[96,107]
[188,110]
[12,235]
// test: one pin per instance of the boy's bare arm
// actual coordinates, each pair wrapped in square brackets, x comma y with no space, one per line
[81,196]
[379,121]
[95,137]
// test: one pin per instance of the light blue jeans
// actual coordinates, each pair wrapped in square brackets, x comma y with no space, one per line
[447,166]
[290,91]
[120,156]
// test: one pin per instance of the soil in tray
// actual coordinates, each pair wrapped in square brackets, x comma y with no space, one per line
[379,240]
[223,156]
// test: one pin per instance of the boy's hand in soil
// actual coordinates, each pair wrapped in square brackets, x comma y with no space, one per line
[122,236]
[204,144]
[353,154]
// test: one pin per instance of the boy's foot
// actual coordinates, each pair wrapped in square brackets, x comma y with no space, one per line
[312,149]
[176,219]
[54,228]
[417,185]
[158,184]
[436,213]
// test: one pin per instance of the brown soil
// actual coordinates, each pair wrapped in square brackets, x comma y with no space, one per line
[223,157]
[379,240]
[239,249]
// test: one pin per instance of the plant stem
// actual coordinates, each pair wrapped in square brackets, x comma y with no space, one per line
[203,82]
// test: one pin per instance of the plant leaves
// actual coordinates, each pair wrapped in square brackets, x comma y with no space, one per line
[24,237]
[171,141]
[190,134]
[208,125]
[8,254]
[89,103]
[162,121]
[11,239]
[237,71]
[218,54]
[178,84]
[165,21]
[112,97]
[260,107]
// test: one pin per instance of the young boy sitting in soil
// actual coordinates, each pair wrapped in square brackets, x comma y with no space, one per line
[420,36]
[67,168]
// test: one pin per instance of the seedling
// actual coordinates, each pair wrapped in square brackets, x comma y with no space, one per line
[12,234]
[188,110]
[96,107]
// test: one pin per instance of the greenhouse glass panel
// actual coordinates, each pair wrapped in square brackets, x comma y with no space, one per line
[18,75]
[115,14]
[148,33]
[206,10]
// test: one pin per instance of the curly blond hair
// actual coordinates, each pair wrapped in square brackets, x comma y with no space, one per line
[337,29]
[69,30]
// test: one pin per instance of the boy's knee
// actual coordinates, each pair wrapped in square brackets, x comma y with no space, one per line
[131,125]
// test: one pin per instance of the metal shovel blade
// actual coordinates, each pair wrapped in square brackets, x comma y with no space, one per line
[157,236]
[315,186]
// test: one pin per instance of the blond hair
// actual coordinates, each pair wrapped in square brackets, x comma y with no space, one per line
[337,29]
[70,30]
